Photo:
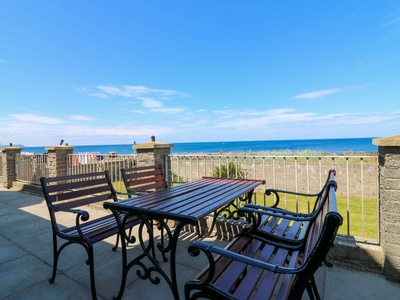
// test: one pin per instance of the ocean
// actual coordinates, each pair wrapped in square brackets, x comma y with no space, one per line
[319,145]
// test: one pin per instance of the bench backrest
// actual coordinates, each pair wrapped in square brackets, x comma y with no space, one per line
[71,191]
[320,237]
[143,179]
[322,195]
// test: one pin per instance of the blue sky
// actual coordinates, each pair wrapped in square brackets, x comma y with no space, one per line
[114,72]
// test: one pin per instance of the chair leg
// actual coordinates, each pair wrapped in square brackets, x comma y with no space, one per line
[312,289]
[55,259]
[116,243]
[90,262]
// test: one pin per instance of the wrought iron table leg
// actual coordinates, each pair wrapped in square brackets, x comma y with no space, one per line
[148,252]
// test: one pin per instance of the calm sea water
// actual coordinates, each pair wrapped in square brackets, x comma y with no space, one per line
[323,145]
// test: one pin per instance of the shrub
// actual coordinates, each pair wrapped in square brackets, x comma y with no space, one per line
[232,171]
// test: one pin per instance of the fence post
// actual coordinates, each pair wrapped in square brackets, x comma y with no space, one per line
[57,158]
[389,188]
[153,153]
[9,164]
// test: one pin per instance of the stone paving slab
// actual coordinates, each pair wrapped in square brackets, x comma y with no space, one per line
[26,263]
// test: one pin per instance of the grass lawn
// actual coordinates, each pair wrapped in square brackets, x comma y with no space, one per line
[351,211]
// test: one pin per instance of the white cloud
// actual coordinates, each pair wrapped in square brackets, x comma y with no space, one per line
[391,23]
[152,99]
[327,92]
[173,110]
[318,94]
[81,118]
[283,117]
[150,102]
[138,91]
[99,95]
[35,118]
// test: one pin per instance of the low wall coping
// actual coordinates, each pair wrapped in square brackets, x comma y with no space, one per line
[152,145]
[54,148]
[389,141]
[11,149]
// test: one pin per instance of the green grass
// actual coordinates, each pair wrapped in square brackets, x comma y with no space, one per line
[353,224]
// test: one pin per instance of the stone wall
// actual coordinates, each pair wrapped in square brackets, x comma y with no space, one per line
[389,185]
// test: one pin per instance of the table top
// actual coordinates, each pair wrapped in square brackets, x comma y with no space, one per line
[187,202]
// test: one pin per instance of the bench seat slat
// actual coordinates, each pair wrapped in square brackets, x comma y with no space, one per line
[253,276]
[235,269]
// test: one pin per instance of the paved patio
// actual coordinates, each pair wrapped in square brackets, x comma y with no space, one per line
[26,260]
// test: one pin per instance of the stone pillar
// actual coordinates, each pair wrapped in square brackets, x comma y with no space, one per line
[11,154]
[57,159]
[153,153]
[389,188]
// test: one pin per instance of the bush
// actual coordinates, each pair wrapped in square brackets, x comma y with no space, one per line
[232,171]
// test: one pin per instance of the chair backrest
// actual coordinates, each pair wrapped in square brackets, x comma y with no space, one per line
[73,191]
[143,179]
[323,194]
[320,238]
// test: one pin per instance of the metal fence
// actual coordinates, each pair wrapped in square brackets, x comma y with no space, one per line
[30,167]
[357,178]
[81,163]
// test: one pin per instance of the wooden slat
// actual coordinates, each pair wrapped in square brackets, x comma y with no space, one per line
[236,269]
[253,275]
[145,180]
[82,184]
[73,177]
[74,194]
[133,176]
[85,201]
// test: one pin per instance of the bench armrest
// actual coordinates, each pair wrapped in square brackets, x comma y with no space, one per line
[275,212]
[276,192]
[81,215]
[209,249]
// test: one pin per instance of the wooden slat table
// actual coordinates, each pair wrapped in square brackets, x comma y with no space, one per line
[185,204]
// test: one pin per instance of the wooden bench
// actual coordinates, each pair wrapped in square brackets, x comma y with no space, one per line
[279,225]
[254,268]
[71,194]
[141,180]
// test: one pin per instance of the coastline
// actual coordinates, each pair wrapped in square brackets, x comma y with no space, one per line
[357,146]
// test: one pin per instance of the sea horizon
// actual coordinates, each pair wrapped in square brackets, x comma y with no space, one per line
[337,145]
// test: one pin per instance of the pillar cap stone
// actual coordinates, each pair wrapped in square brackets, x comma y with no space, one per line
[153,145]
[55,148]
[389,141]
[5,149]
